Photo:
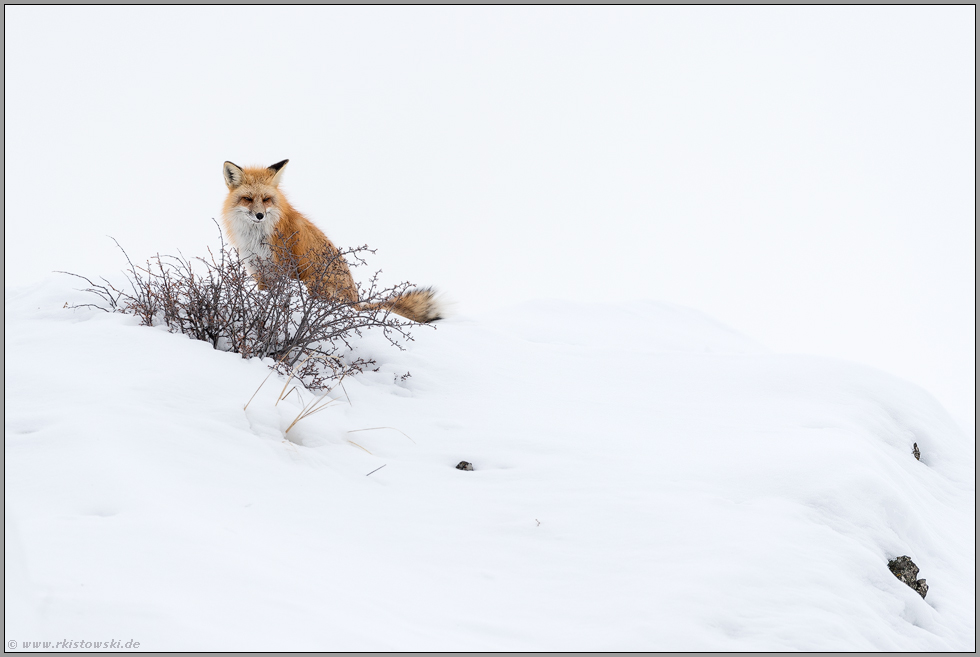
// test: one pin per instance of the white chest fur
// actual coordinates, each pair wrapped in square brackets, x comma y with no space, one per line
[251,238]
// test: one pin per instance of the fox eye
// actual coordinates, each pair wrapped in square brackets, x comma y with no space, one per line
[267,200]
[247,199]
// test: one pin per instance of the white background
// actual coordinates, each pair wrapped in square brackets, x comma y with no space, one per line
[805,175]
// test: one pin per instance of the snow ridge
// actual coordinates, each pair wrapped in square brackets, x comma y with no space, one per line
[645,479]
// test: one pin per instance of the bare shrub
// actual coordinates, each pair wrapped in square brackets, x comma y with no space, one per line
[260,308]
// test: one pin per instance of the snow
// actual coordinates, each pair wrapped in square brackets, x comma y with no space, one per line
[645,479]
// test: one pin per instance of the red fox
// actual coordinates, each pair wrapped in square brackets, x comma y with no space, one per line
[257,217]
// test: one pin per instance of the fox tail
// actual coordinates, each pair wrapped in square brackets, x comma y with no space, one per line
[421,305]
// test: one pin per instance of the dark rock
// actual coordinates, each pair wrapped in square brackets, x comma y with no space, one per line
[915,451]
[905,569]
[464,465]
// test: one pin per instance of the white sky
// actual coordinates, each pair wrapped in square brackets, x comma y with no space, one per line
[803,174]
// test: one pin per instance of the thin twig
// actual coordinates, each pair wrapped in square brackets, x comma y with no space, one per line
[356,445]
[376,428]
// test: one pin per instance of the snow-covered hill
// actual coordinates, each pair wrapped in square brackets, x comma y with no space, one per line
[645,479]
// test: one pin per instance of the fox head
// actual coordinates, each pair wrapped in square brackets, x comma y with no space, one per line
[253,192]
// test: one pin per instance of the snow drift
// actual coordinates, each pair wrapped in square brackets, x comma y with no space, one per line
[645,479]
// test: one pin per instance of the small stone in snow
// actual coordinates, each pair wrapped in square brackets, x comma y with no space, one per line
[915,451]
[464,465]
[905,569]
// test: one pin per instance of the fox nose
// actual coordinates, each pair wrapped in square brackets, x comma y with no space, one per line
[259,215]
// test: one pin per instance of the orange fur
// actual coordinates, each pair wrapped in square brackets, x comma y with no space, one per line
[257,214]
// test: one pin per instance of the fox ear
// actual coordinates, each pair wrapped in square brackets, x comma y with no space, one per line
[277,168]
[233,175]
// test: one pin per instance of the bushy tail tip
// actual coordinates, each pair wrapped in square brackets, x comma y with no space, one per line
[423,305]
